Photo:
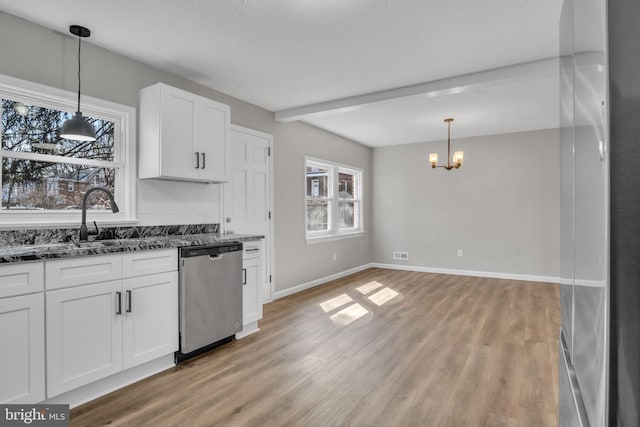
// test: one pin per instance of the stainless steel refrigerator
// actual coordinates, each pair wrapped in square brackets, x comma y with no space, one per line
[599,363]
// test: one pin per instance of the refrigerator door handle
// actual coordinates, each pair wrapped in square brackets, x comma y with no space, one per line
[602,145]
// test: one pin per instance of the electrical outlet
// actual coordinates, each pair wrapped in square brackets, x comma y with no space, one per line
[401,255]
[460,253]
[335,256]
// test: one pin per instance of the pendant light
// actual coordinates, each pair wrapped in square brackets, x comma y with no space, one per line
[77,128]
[457,156]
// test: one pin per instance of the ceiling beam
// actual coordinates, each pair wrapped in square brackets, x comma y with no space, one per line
[489,78]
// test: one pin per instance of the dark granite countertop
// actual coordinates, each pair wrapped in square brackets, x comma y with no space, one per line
[34,252]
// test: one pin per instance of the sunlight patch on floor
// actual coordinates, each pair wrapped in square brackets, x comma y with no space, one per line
[336,302]
[348,315]
[383,296]
[371,286]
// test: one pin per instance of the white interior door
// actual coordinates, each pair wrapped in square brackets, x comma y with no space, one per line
[247,198]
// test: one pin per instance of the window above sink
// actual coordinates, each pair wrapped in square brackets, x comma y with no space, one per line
[44,176]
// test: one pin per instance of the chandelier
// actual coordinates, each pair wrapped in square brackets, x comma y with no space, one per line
[457,156]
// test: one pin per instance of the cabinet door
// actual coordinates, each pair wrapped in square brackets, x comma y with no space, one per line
[151,317]
[22,358]
[177,134]
[84,335]
[252,292]
[183,136]
[212,134]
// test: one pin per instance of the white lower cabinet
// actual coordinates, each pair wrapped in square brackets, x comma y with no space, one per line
[84,335]
[251,295]
[23,354]
[252,286]
[95,330]
[150,327]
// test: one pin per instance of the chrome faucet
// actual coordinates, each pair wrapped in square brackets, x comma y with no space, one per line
[84,233]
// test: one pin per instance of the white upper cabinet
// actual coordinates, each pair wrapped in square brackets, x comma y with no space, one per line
[183,136]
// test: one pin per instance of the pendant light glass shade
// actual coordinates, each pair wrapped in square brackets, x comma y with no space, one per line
[77,128]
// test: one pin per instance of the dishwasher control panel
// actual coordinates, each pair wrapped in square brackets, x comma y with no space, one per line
[222,248]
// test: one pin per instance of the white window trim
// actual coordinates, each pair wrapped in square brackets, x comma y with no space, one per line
[125,155]
[334,233]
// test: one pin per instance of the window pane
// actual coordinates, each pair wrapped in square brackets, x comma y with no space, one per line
[32,185]
[317,182]
[348,214]
[317,215]
[34,129]
[346,185]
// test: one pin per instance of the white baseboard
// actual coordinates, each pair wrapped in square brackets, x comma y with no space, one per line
[320,281]
[591,283]
[509,276]
[248,329]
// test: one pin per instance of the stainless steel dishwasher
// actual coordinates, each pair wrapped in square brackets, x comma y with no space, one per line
[211,279]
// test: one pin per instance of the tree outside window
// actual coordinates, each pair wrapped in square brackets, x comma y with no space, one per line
[44,177]
[333,200]
[41,171]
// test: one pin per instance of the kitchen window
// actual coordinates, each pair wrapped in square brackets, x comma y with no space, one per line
[44,176]
[333,200]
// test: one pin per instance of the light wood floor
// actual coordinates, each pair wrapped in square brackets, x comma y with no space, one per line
[418,350]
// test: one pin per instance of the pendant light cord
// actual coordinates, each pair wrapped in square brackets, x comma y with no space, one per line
[79,81]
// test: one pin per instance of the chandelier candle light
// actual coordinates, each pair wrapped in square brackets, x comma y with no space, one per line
[457,156]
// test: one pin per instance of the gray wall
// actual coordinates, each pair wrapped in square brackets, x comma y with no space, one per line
[302,263]
[501,208]
[40,55]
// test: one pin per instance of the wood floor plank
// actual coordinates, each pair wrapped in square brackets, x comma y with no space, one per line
[377,348]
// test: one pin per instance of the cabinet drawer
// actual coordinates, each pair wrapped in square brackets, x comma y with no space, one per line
[80,271]
[22,278]
[251,250]
[149,262]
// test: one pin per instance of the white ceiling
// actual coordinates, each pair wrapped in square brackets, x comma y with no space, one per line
[338,64]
